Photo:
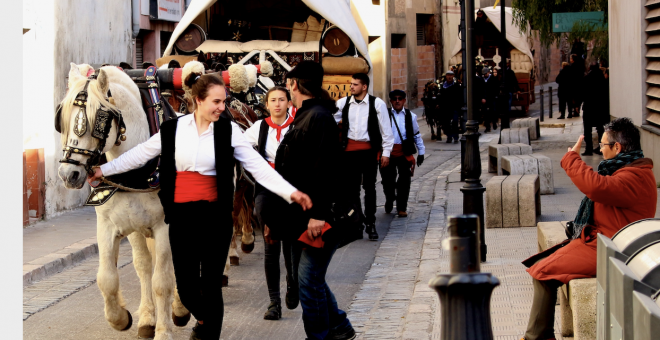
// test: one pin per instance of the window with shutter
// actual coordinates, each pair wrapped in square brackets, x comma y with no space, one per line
[653,62]
[421,37]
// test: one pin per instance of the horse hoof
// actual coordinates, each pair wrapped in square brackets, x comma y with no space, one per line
[247,248]
[225,281]
[146,332]
[233,260]
[180,321]
[130,321]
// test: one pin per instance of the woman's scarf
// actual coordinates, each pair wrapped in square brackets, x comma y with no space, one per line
[585,214]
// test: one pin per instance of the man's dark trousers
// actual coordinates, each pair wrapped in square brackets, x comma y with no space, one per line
[320,312]
[588,139]
[390,182]
[361,168]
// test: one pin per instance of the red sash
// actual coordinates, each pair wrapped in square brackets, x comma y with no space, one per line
[354,145]
[318,241]
[192,186]
[279,128]
[397,151]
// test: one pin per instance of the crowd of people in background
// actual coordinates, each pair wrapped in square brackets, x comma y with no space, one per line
[586,89]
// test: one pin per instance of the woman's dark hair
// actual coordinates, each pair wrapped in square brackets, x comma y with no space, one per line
[277,88]
[199,85]
[623,131]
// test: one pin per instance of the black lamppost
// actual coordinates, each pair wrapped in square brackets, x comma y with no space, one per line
[473,191]
[504,53]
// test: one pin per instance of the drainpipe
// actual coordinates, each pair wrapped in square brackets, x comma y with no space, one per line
[136,17]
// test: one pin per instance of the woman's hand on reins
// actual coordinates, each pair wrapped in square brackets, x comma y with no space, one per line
[98,174]
[302,199]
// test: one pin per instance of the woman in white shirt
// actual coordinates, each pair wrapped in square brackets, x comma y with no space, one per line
[265,135]
[198,153]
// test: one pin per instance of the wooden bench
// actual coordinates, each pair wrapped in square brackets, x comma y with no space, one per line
[577,299]
[532,123]
[532,164]
[515,135]
[513,201]
[496,151]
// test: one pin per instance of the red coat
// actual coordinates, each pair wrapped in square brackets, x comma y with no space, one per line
[626,196]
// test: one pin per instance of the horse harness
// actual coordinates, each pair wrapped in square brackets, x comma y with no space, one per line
[100,130]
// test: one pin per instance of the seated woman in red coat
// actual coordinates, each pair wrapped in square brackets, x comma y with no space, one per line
[621,192]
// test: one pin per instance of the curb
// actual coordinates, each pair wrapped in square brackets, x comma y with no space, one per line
[45,266]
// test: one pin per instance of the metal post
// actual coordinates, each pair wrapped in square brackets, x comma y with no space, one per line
[473,191]
[461,29]
[504,53]
[462,140]
[550,96]
[542,109]
[465,292]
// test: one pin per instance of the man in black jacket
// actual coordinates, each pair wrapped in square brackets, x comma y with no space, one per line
[490,90]
[451,97]
[307,157]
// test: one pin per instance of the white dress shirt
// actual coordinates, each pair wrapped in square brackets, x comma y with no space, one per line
[195,152]
[358,115]
[401,120]
[252,136]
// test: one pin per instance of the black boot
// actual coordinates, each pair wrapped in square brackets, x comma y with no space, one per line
[274,311]
[341,335]
[389,205]
[371,231]
[292,297]
[197,332]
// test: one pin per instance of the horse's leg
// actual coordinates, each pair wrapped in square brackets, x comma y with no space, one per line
[163,282]
[107,277]
[247,240]
[180,314]
[233,254]
[143,267]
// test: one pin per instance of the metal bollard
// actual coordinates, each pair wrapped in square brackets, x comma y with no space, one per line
[465,292]
[550,106]
[542,110]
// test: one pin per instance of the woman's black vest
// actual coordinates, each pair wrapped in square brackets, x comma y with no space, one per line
[224,167]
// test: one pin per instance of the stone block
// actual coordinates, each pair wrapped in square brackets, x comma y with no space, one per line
[582,298]
[545,174]
[510,201]
[514,135]
[529,200]
[532,123]
[494,202]
[565,314]
[495,153]
[512,165]
[550,234]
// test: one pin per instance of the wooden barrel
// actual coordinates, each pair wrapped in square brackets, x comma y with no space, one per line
[190,39]
[336,41]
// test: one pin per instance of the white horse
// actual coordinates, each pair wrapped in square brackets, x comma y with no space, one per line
[138,216]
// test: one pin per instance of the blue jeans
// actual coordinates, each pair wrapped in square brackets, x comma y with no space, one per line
[320,311]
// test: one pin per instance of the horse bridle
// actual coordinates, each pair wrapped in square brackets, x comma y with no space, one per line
[100,130]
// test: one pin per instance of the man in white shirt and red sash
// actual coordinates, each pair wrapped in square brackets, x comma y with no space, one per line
[365,131]
[406,137]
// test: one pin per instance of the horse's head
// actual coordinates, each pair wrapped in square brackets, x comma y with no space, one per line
[90,125]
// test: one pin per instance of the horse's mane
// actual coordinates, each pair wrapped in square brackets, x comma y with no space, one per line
[95,100]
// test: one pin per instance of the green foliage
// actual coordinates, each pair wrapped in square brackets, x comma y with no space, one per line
[538,13]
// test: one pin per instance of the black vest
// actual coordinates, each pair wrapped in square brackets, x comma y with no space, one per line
[373,129]
[410,134]
[224,166]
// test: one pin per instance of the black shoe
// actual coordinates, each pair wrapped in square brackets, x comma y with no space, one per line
[562,117]
[597,151]
[371,231]
[586,153]
[389,205]
[448,139]
[433,137]
[274,311]
[292,297]
[197,332]
[344,335]
[456,141]
[570,116]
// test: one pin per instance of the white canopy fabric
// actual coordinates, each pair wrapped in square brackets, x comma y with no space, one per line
[513,35]
[336,12]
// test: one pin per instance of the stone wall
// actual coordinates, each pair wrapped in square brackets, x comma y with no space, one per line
[425,69]
[399,67]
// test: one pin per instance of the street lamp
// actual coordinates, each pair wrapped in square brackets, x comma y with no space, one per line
[473,191]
